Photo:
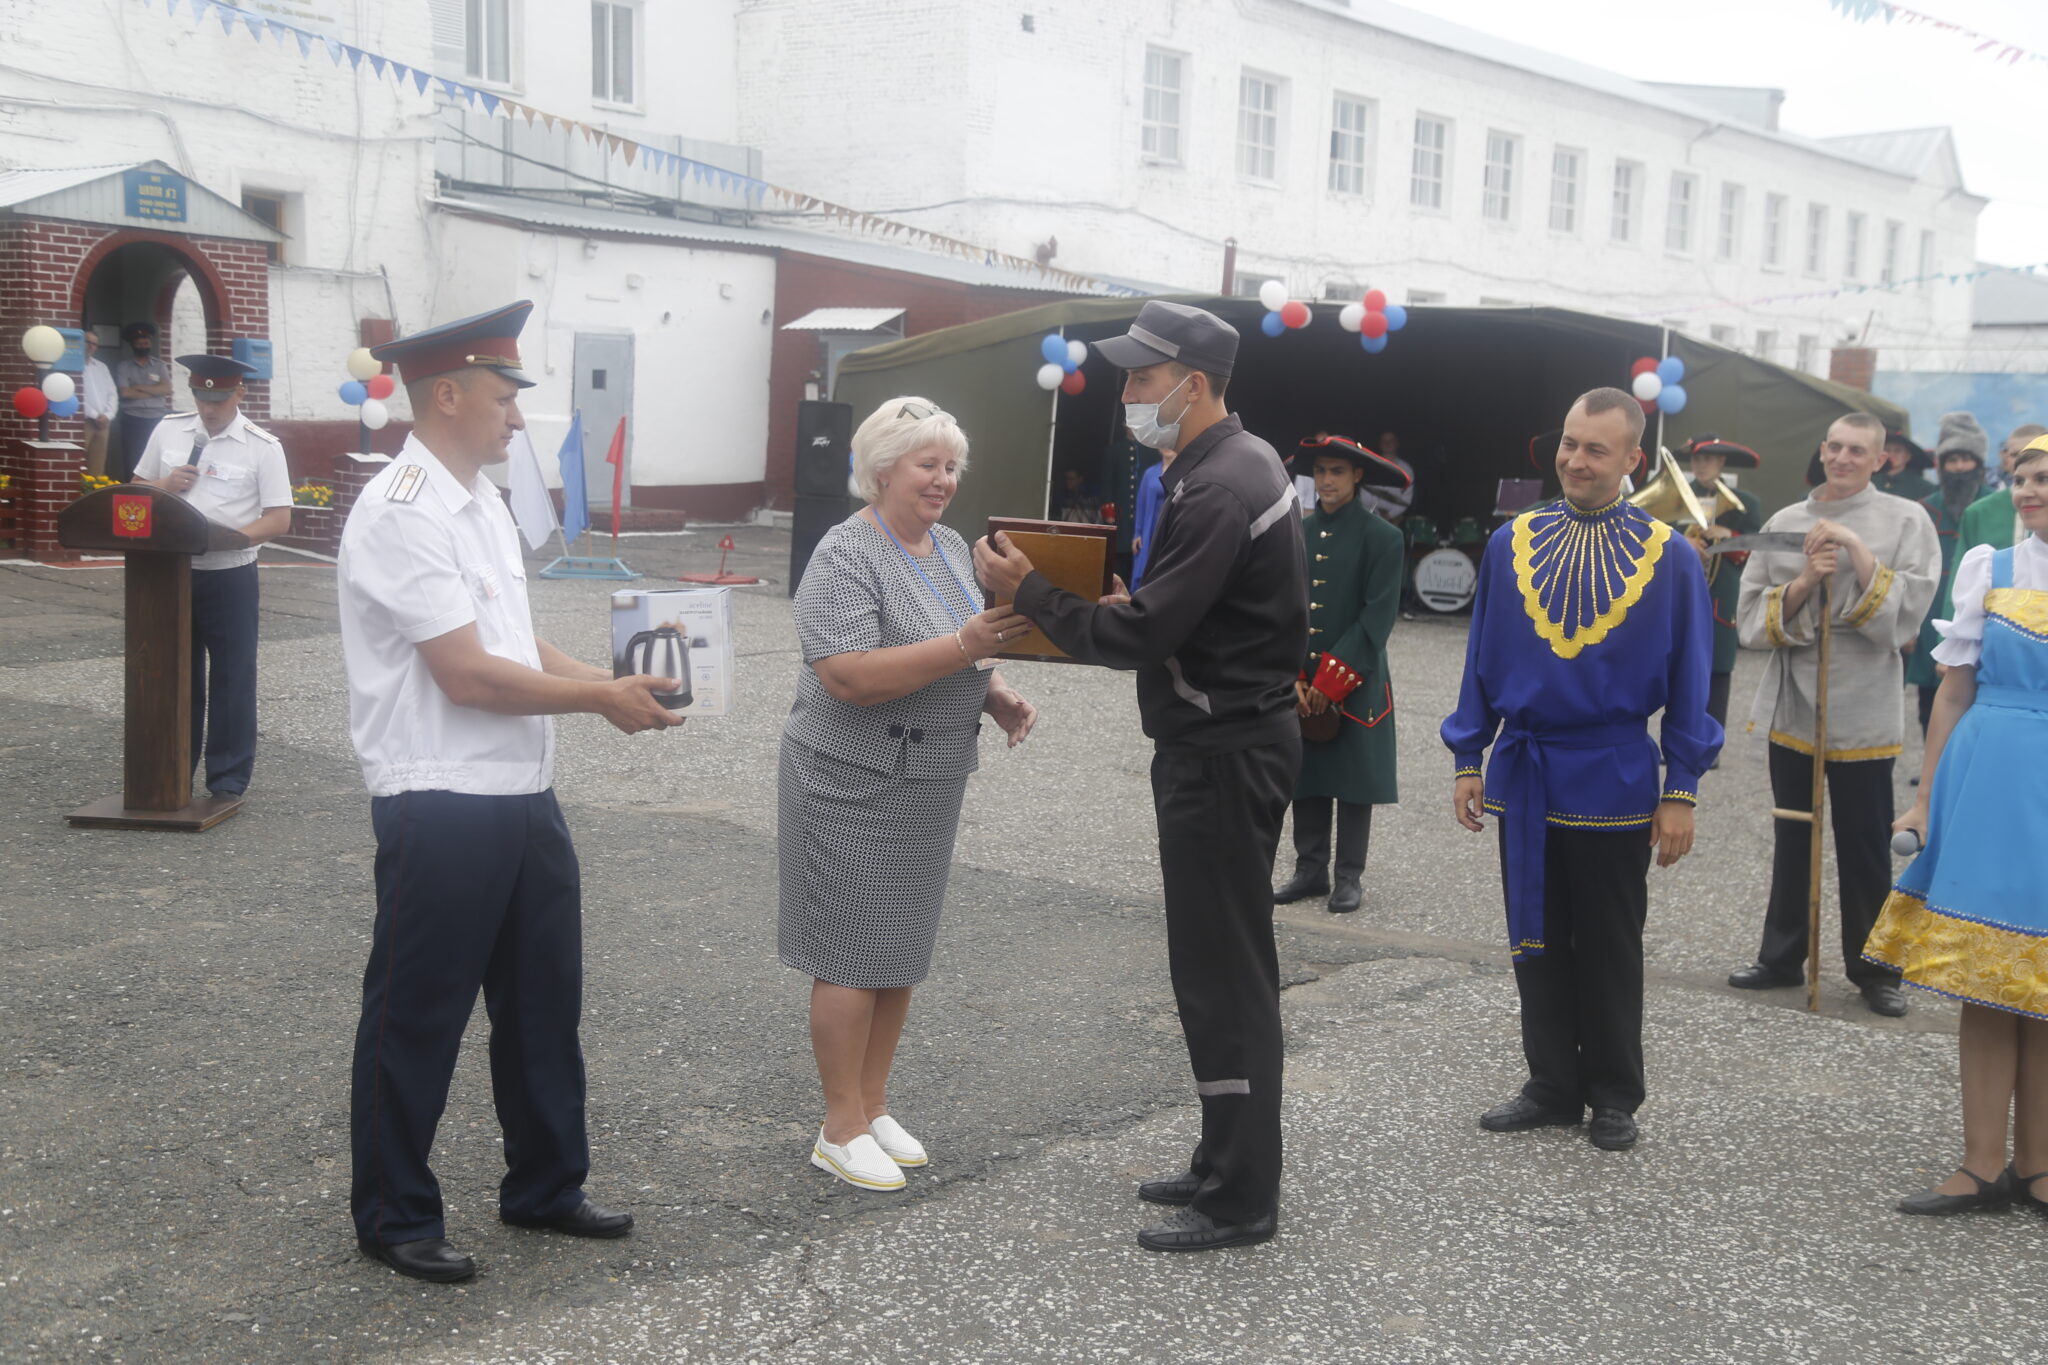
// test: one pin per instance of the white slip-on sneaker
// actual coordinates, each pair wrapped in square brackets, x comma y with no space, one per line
[860,1162]
[903,1149]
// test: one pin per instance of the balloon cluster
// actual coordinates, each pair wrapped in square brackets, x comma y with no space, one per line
[367,387]
[1374,320]
[1282,313]
[1655,384]
[57,395]
[1062,367]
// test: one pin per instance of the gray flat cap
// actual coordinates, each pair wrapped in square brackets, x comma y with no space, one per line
[1173,331]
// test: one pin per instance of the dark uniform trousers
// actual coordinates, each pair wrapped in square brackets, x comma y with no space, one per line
[131,442]
[1219,826]
[224,615]
[1861,810]
[1582,997]
[1718,685]
[1312,836]
[471,891]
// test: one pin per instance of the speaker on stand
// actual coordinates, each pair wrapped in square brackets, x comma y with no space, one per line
[824,452]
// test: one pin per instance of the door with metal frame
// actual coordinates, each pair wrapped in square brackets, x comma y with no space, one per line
[604,394]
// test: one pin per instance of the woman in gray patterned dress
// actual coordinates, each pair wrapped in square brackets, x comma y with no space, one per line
[875,758]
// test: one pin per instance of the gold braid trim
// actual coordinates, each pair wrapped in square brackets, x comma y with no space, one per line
[1805,746]
[1961,958]
[1574,544]
[2024,609]
[1880,588]
[1774,618]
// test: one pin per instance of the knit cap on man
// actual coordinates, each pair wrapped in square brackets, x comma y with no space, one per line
[1960,432]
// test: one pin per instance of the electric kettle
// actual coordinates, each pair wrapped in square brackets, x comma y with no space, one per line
[664,653]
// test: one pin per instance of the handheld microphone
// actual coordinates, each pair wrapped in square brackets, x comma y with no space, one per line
[198,446]
[1906,843]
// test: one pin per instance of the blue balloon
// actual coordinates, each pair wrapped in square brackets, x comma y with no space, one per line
[1068,365]
[1372,345]
[1397,317]
[67,408]
[1271,325]
[1671,400]
[354,391]
[1054,349]
[1671,370]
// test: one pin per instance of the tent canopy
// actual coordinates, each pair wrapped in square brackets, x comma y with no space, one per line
[1465,389]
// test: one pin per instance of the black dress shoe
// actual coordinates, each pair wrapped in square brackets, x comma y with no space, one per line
[1188,1230]
[1885,997]
[1346,897]
[587,1219]
[1757,977]
[1301,886]
[1612,1130]
[1172,1189]
[430,1258]
[1522,1113]
[1989,1195]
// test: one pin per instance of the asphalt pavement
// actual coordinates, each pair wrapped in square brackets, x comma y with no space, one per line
[176,1015]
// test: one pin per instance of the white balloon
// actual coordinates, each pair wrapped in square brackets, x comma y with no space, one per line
[1049,376]
[375,414]
[58,386]
[42,344]
[1351,317]
[1647,386]
[1077,351]
[1274,295]
[362,365]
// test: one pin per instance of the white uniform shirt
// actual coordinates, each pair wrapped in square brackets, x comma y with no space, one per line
[242,474]
[97,394]
[1962,639]
[423,555]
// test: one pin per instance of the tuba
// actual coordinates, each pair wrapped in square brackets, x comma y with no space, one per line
[1669,497]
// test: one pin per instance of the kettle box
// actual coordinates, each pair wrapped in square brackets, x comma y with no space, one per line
[684,633]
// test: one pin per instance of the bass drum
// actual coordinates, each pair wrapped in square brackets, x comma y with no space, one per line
[1445,580]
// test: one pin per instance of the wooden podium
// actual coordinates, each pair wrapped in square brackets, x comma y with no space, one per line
[159,532]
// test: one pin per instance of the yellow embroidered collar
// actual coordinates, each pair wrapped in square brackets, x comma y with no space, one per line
[1580,572]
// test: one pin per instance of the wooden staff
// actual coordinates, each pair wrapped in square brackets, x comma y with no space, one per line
[1813,816]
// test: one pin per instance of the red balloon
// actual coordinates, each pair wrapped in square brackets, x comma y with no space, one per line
[1649,406]
[1373,325]
[380,385]
[1643,366]
[1074,382]
[1375,302]
[30,401]
[1294,313]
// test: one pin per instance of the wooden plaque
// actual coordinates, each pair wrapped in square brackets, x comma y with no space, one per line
[1071,554]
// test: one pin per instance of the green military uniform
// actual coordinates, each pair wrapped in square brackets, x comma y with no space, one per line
[1920,662]
[1724,580]
[1990,520]
[1354,571]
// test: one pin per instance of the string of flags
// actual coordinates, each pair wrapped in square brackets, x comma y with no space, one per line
[757,192]
[1938,277]
[1863,11]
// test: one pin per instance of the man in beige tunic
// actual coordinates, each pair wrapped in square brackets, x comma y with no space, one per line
[1880,557]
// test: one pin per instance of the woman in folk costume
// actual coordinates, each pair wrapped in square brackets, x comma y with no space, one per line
[1967,919]
[1344,696]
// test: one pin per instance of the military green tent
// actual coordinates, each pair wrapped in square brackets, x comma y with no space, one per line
[1466,389]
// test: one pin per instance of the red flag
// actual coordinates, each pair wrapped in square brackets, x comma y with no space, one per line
[616,458]
[725,543]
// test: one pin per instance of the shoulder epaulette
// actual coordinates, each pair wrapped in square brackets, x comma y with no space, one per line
[406,484]
[260,433]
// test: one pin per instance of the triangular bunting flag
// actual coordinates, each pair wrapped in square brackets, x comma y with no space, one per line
[527,110]
[491,102]
[227,20]
[277,30]
[254,25]
[377,62]
[355,56]
[199,9]
[420,79]
[632,150]
[334,50]
[305,42]
[548,119]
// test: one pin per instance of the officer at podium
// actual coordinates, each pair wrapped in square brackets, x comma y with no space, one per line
[450,704]
[234,472]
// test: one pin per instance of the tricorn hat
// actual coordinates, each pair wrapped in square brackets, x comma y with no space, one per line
[1379,471]
[1707,443]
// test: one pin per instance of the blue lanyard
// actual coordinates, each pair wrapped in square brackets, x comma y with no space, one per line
[911,559]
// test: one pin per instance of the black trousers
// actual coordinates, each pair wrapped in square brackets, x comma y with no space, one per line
[1717,696]
[1312,836]
[224,613]
[1582,998]
[471,891]
[131,439]
[1927,707]
[1219,826]
[1861,810]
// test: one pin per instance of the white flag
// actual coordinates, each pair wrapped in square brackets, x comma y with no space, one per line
[532,508]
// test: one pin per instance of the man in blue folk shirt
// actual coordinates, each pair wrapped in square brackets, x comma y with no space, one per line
[1587,621]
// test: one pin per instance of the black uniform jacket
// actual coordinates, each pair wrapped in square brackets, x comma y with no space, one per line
[1219,629]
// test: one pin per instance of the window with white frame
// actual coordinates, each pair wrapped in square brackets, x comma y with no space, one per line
[1628,182]
[487,40]
[1425,296]
[1766,345]
[1247,285]
[1926,257]
[1503,152]
[1429,161]
[1165,73]
[1728,233]
[1565,165]
[1721,334]
[1685,193]
[1852,246]
[1351,126]
[614,50]
[1258,127]
[1808,355]
[1774,232]
[1816,239]
[1894,238]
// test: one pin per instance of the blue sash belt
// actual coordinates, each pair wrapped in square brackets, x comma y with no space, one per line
[2012,698]
[1518,764]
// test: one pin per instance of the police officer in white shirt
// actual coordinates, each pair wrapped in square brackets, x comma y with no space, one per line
[450,699]
[234,472]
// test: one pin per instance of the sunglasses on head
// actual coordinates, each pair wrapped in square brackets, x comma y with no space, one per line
[910,410]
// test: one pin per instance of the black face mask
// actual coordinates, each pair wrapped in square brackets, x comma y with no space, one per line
[1959,487]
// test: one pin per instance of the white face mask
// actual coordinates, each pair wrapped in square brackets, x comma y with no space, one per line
[1146,428]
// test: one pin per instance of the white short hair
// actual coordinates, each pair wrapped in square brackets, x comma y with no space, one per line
[896,428]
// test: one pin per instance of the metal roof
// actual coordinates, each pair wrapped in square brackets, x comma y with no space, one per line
[585,218]
[23,184]
[2009,298]
[95,194]
[843,320]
